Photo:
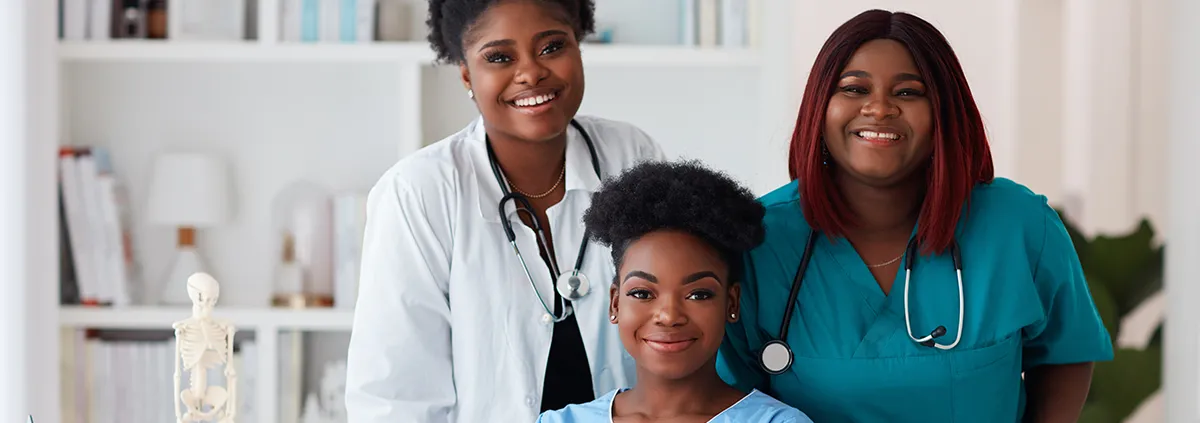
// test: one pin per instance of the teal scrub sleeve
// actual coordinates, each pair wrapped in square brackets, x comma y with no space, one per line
[737,362]
[1071,331]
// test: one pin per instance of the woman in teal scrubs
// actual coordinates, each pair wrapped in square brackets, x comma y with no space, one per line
[890,149]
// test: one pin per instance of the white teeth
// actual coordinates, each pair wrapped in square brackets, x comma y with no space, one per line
[878,135]
[533,101]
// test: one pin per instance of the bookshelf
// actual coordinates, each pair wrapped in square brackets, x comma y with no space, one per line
[340,113]
[416,53]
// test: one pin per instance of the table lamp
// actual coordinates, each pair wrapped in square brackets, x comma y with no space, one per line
[188,191]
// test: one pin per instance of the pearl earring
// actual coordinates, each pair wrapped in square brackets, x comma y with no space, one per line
[612,318]
[471,94]
[733,316]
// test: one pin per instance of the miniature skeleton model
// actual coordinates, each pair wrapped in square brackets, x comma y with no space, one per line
[203,343]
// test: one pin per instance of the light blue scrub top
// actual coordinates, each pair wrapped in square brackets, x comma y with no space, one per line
[1026,303]
[755,407]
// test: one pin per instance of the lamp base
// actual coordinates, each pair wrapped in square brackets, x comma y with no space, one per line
[174,290]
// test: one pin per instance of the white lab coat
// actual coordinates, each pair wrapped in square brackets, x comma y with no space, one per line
[447,327]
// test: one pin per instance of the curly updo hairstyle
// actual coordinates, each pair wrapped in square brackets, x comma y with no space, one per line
[684,196]
[450,20]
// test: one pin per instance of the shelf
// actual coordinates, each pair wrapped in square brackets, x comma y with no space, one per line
[148,317]
[390,52]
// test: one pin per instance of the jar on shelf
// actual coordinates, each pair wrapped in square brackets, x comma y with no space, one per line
[303,276]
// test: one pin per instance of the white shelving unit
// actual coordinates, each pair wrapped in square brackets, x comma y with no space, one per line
[262,321]
[277,108]
[415,53]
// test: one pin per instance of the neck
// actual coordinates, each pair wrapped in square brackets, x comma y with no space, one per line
[659,397]
[883,212]
[533,166]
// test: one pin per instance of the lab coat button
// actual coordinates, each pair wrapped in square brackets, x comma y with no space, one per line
[546,318]
[529,401]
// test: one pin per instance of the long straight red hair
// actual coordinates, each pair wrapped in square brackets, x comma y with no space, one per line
[961,157]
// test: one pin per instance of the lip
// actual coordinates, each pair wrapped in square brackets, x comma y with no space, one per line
[882,142]
[534,92]
[669,343]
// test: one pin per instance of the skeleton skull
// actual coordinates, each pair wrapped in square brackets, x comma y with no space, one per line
[204,291]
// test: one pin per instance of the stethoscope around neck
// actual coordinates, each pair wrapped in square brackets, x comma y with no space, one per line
[776,356]
[571,286]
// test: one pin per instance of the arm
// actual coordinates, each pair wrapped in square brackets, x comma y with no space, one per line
[1057,391]
[1059,350]
[399,359]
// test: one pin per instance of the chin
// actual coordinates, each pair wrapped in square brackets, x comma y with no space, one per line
[670,370]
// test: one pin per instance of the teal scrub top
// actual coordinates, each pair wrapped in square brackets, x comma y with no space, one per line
[1026,304]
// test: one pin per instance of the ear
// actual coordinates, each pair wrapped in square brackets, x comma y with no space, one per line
[735,299]
[613,296]
[465,74]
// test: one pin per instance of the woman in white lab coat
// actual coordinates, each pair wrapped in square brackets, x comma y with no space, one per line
[448,326]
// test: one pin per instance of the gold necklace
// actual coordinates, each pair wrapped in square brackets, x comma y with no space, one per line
[887,263]
[561,176]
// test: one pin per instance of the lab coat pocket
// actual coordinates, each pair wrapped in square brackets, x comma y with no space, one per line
[986,381]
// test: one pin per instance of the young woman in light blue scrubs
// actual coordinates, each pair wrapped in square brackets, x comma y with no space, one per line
[890,148]
[678,232]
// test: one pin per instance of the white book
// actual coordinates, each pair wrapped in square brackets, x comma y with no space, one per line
[98,249]
[74,20]
[78,228]
[688,22]
[290,12]
[708,15]
[100,19]
[364,25]
[733,23]
[330,18]
[108,192]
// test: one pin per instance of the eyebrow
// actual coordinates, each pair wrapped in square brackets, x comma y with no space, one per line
[691,278]
[509,42]
[899,78]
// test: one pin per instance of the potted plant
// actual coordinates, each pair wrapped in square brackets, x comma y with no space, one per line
[1122,271]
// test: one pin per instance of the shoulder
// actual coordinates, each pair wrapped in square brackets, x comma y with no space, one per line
[784,218]
[597,410]
[1004,210]
[621,141]
[430,172]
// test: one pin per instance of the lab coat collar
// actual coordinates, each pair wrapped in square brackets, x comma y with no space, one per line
[580,175]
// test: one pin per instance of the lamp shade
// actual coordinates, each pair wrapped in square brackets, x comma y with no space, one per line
[189,189]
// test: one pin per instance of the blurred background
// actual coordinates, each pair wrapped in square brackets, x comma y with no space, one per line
[148,139]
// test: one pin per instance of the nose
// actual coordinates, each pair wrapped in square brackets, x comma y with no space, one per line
[531,72]
[880,108]
[669,313]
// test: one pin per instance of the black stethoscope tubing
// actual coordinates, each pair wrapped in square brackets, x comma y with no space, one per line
[776,355]
[525,206]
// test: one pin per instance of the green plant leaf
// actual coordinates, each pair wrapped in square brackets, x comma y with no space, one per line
[1123,261]
[1105,305]
[1097,413]
[1122,384]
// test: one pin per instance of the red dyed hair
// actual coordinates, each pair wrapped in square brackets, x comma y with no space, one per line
[961,157]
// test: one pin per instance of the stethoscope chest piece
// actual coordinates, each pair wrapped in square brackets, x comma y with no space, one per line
[776,357]
[573,286]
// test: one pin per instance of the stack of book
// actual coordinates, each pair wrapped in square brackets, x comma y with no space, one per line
[97,257]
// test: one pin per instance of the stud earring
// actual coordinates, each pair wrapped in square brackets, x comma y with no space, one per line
[733,316]
[612,318]
[471,94]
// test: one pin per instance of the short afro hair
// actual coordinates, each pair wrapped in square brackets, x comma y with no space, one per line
[684,196]
[449,21]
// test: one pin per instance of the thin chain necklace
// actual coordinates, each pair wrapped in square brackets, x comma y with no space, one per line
[561,176]
[886,263]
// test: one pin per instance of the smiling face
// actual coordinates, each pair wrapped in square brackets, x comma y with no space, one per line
[879,122]
[672,299]
[522,62]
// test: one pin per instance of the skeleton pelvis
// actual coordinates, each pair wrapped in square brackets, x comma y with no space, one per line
[214,396]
